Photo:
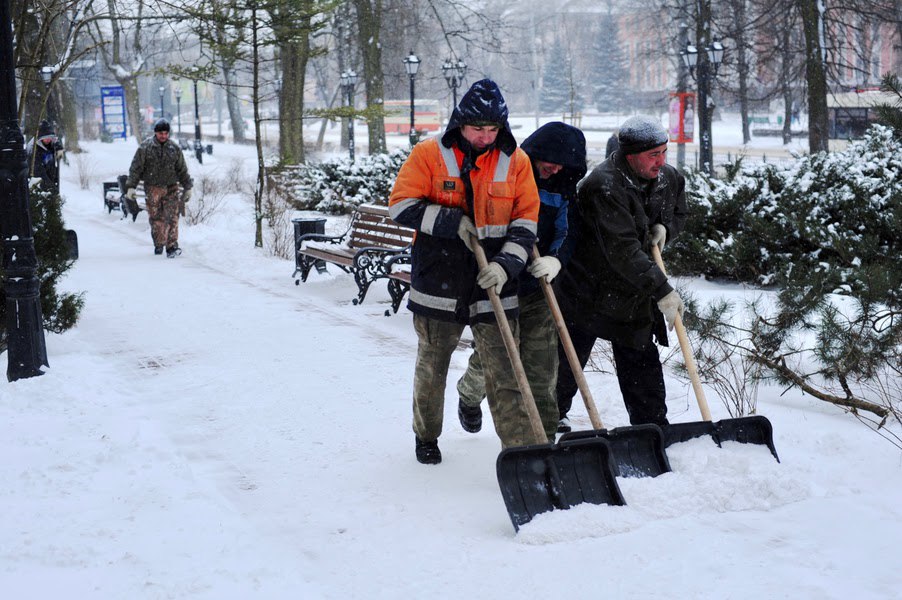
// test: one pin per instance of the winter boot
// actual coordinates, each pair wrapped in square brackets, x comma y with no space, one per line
[563,426]
[470,417]
[158,249]
[173,252]
[428,452]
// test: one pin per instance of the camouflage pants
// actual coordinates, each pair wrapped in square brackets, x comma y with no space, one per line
[538,351]
[437,341]
[163,214]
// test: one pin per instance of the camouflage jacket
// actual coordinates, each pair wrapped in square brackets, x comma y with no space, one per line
[158,164]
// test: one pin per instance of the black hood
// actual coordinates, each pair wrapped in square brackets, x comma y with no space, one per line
[483,103]
[561,144]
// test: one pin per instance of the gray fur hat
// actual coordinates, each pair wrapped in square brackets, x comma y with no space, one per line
[641,133]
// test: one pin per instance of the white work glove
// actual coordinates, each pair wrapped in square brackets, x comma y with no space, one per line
[493,275]
[658,236]
[131,193]
[671,305]
[544,266]
[186,195]
[465,230]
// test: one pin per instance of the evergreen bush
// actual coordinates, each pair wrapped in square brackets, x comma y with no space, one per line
[337,186]
[59,311]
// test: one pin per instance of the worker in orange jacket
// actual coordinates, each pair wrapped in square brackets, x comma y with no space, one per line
[473,180]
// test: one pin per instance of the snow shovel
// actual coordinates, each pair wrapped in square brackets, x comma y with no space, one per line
[637,450]
[755,429]
[546,476]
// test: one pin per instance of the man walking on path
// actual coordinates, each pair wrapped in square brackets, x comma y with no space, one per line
[473,180]
[161,164]
[557,152]
[611,288]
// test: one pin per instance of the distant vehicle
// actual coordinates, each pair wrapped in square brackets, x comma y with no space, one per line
[425,112]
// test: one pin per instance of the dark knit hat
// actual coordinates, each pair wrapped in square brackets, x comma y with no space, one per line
[45,129]
[161,125]
[641,133]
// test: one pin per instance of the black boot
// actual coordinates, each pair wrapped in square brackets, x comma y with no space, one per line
[158,249]
[470,417]
[173,251]
[428,452]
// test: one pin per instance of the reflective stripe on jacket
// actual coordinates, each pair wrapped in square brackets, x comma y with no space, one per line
[429,196]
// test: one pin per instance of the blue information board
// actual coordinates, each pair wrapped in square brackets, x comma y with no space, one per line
[112,106]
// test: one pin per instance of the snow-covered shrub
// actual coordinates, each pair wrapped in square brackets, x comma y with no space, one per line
[835,216]
[337,186]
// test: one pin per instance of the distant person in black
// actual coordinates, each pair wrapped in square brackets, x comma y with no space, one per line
[44,152]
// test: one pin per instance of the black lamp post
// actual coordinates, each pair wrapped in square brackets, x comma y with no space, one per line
[703,68]
[454,74]
[412,64]
[162,106]
[348,81]
[178,110]
[26,349]
[198,149]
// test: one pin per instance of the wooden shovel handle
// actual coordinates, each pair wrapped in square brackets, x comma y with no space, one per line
[688,358]
[567,343]
[529,402]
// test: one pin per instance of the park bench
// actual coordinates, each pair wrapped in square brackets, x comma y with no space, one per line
[114,199]
[364,250]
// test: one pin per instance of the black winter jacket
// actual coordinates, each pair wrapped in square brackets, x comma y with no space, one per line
[611,285]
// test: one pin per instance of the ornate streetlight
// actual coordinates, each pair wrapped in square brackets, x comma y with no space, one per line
[454,74]
[412,64]
[198,148]
[26,348]
[178,109]
[47,74]
[703,68]
[348,81]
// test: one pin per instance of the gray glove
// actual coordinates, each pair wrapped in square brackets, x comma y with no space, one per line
[671,305]
[493,275]
[544,266]
[131,193]
[658,236]
[465,229]
[186,194]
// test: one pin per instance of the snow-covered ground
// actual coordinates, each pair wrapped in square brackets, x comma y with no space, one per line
[210,430]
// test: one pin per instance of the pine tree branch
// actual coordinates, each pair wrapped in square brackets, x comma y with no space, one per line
[849,402]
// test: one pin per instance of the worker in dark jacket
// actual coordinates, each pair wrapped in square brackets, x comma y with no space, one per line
[160,163]
[557,152]
[473,180]
[45,151]
[611,288]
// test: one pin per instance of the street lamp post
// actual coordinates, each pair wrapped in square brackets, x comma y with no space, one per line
[162,106]
[198,149]
[178,110]
[26,348]
[703,67]
[348,81]
[412,64]
[454,74]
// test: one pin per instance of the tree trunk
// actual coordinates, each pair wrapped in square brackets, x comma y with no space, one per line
[232,103]
[816,75]
[742,68]
[786,82]
[295,54]
[369,22]
[261,165]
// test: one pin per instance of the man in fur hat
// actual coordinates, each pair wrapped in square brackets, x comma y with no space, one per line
[612,288]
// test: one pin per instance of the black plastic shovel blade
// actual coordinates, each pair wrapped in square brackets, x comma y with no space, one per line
[754,429]
[636,451]
[541,478]
[683,432]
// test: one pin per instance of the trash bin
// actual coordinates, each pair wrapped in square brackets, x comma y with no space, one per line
[304,226]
